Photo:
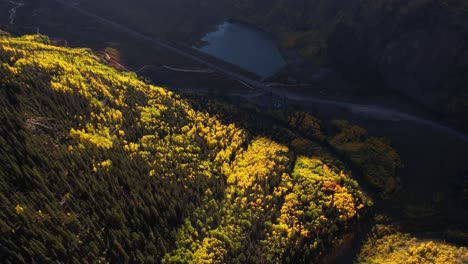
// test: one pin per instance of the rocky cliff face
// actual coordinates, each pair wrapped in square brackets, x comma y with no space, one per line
[418,50]
[418,61]
[421,52]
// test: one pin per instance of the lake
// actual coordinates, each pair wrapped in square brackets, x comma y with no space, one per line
[249,48]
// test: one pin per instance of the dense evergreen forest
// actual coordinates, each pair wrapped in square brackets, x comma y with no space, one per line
[98,165]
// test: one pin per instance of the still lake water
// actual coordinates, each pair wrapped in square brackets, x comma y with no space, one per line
[250,49]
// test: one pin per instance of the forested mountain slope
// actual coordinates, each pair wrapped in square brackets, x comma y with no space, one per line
[97,165]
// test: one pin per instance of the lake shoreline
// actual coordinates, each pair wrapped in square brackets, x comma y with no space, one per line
[246,47]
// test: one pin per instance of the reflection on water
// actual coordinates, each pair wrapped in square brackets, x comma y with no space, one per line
[246,47]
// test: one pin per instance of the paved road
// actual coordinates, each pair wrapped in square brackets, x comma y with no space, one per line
[164,45]
[383,113]
[12,11]
[371,111]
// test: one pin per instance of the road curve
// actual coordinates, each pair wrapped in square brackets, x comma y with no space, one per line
[372,111]
[383,113]
[12,11]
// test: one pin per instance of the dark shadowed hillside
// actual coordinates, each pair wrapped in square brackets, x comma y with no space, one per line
[417,49]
